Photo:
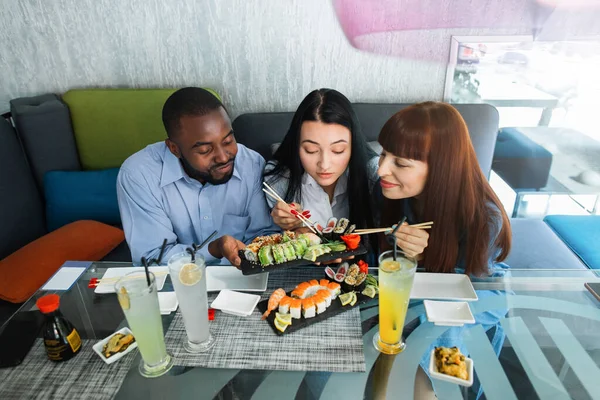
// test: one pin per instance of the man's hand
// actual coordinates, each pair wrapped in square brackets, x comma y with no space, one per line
[228,247]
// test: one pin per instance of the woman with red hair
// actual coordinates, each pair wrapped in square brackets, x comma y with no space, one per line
[429,172]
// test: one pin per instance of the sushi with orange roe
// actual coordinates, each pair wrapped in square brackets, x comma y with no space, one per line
[335,289]
[326,295]
[313,282]
[284,305]
[295,308]
[320,302]
[308,308]
[323,283]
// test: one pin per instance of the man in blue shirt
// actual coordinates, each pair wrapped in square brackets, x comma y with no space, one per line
[199,180]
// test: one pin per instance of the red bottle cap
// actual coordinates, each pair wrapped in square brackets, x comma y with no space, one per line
[48,303]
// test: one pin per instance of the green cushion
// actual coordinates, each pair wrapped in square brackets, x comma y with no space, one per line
[112,124]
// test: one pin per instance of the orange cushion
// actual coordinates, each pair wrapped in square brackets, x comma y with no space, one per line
[26,270]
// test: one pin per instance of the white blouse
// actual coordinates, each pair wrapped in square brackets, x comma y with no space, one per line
[314,197]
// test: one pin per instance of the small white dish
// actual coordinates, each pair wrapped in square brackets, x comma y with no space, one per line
[160,274]
[428,285]
[100,345]
[448,313]
[434,373]
[228,277]
[235,303]
[167,302]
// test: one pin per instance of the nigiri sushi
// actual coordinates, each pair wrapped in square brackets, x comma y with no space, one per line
[295,308]
[308,308]
[284,305]
[274,300]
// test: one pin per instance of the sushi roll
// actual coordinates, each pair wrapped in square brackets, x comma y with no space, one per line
[318,227]
[354,270]
[284,305]
[335,289]
[350,229]
[250,255]
[278,254]
[313,252]
[320,303]
[323,283]
[328,232]
[288,251]
[332,222]
[295,308]
[341,226]
[299,247]
[330,273]
[349,283]
[326,295]
[288,236]
[313,239]
[301,291]
[308,308]
[265,256]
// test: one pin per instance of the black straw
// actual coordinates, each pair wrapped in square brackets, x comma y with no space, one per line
[162,252]
[212,235]
[192,252]
[403,220]
[145,262]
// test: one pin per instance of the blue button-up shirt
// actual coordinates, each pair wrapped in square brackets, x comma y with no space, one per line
[158,200]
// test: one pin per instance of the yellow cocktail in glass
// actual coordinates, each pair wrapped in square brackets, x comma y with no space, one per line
[395,282]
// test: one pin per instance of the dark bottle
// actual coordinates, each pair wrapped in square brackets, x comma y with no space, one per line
[61,339]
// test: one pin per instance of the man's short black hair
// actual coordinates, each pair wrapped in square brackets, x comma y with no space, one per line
[187,101]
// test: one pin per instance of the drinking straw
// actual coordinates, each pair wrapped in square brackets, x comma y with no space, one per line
[162,252]
[192,252]
[145,262]
[212,235]
[391,235]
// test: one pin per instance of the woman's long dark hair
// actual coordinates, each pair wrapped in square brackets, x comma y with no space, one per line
[331,107]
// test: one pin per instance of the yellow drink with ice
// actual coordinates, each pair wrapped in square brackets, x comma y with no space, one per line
[395,282]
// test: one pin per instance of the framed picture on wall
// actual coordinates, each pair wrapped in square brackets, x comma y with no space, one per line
[479,67]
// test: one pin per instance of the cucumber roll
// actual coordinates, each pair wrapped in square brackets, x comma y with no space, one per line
[265,256]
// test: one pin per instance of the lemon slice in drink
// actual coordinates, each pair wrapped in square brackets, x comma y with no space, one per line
[370,291]
[354,299]
[390,265]
[346,298]
[123,298]
[280,327]
[284,319]
[190,274]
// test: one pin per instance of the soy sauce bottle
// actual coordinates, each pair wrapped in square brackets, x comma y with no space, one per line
[61,339]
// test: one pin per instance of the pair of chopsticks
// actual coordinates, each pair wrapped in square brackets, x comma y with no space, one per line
[107,281]
[273,194]
[423,225]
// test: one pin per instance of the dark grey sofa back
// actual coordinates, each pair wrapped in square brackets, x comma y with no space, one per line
[21,209]
[260,130]
[44,126]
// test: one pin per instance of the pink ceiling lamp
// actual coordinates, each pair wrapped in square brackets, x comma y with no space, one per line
[396,27]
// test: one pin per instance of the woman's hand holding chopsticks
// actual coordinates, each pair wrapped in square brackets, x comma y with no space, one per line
[411,240]
[285,215]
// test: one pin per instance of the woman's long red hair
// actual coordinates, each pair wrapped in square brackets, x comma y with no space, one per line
[456,196]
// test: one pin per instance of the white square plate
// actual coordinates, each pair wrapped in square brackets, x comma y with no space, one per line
[100,345]
[229,277]
[448,313]
[235,303]
[434,373]
[167,302]
[160,274]
[442,287]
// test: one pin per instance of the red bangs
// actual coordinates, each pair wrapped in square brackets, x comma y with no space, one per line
[407,134]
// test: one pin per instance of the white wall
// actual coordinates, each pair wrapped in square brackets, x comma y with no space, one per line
[261,55]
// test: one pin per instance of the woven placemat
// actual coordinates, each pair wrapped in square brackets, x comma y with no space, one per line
[85,376]
[333,345]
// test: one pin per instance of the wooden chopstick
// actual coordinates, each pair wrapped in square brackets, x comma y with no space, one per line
[117,278]
[423,225]
[273,194]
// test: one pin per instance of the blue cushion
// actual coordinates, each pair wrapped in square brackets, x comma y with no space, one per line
[581,234]
[77,195]
[511,143]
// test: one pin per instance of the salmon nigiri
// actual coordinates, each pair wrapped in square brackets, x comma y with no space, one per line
[274,300]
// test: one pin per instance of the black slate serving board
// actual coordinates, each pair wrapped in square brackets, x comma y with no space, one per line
[251,268]
[334,309]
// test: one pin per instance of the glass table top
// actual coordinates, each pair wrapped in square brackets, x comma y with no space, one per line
[535,336]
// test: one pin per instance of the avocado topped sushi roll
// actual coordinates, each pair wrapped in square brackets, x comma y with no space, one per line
[265,256]
[299,247]
[313,252]
[278,254]
[288,251]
